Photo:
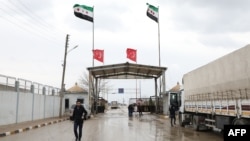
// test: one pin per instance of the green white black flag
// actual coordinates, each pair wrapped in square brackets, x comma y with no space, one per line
[84,12]
[152,12]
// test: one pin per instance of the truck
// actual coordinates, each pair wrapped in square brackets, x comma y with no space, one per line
[114,104]
[216,94]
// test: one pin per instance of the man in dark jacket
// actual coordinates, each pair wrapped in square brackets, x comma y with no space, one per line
[130,110]
[139,108]
[172,114]
[78,119]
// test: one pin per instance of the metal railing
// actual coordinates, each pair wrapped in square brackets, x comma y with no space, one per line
[8,83]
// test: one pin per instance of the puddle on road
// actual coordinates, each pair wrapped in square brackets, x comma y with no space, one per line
[130,124]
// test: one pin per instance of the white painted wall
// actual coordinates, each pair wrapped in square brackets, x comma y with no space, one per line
[8,103]
[7,107]
[49,106]
[38,107]
[25,107]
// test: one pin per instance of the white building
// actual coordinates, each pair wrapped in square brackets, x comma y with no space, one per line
[73,94]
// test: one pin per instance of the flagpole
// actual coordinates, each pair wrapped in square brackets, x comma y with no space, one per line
[159,48]
[159,44]
[94,83]
[93,38]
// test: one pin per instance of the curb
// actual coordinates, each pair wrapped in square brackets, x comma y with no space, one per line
[31,127]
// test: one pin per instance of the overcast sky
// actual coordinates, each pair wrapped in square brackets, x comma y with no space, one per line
[192,33]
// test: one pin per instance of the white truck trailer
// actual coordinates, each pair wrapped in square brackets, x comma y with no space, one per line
[114,104]
[216,94]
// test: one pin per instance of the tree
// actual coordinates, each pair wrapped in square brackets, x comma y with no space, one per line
[86,81]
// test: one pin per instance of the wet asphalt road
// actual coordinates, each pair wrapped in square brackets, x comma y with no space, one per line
[116,126]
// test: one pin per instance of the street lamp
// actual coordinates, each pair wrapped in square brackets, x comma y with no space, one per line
[72,49]
[63,75]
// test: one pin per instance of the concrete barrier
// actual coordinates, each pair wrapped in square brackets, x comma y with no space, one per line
[20,104]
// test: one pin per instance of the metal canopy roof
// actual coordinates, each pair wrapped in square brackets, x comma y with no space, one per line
[126,71]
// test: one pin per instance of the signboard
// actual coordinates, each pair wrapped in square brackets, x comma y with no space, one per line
[120,90]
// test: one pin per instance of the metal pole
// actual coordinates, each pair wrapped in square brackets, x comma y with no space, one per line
[90,92]
[159,47]
[96,94]
[33,99]
[17,103]
[140,88]
[93,45]
[53,93]
[136,90]
[44,102]
[92,87]
[156,103]
[62,84]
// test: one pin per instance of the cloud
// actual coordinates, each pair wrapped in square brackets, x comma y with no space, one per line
[193,33]
[211,16]
[108,16]
[218,40]
[26,9]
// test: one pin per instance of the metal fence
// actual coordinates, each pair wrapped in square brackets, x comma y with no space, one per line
[33,101]
[9,83]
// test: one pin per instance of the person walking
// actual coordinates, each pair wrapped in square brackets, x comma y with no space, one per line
[172,114]
[139,107]
[79,114]
[130,110]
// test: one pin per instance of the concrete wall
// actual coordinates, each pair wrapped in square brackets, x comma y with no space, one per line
[46,106]
[13,111]
[25,107]
[7,107]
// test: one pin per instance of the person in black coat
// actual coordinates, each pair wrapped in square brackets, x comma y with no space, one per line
[172,110]
[130,110]
[139,108]
[78,118]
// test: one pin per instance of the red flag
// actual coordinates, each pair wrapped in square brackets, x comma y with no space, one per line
[131,54]
[98,54]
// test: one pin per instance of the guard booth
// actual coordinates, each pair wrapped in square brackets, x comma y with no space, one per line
[125,71]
